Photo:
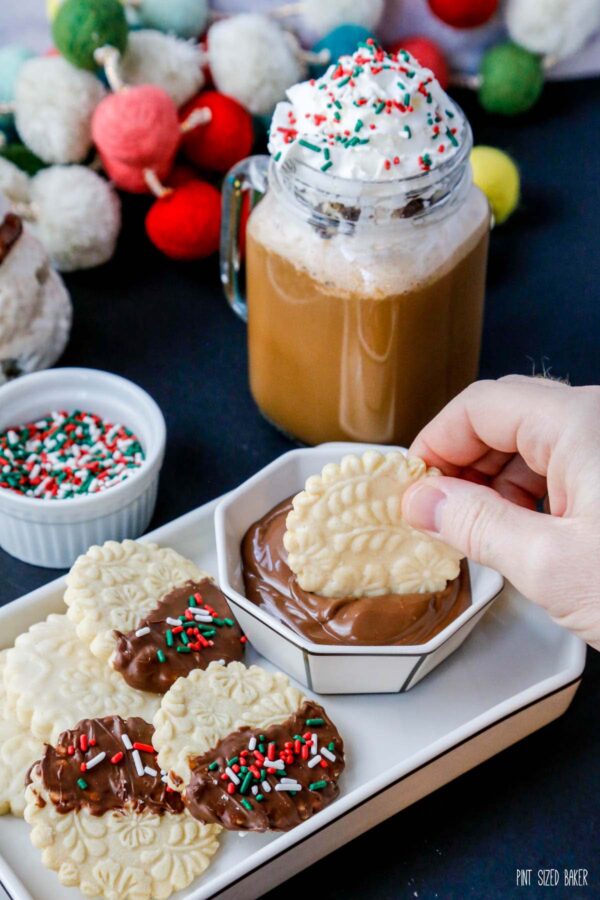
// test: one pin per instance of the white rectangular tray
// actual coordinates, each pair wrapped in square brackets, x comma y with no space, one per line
[515,673]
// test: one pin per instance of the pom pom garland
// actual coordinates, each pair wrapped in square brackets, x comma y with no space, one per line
[512,79]
[135,129]
[342,41]
[252,60]
[54,104]
[80,27]
[496,174]
[464,13]
[227,138]
[556,28]
[185,223]
[429,54]
[77,216]
[165,61]
[184,18]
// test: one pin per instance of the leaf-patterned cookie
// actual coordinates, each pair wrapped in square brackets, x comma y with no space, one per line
[52,682]
[123,854]
[113,586]
[345,536]
[202,709]
[18,750]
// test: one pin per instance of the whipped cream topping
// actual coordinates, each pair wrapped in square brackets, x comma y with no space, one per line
[372,116]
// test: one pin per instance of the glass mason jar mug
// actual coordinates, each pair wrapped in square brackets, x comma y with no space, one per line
[364,299]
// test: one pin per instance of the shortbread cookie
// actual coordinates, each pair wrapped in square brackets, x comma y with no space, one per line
[106,821]
[18,750]
[346,537]
[52,681]
[247,750]
[126,600]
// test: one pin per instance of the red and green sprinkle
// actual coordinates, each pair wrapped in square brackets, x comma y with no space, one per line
[64,455]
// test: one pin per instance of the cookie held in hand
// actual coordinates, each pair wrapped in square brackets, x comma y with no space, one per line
[346,537]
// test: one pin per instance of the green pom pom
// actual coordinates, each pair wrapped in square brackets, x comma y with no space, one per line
[512,79]
[23,158]
[81,26]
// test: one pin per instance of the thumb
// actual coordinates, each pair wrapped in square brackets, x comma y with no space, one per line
[478,522]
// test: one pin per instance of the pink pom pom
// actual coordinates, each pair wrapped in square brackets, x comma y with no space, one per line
[136,129]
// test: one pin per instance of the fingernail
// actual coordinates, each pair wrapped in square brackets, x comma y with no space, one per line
[423,507]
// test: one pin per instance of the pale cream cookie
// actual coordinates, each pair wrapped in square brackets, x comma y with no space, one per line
[247,750]
[115,830]
[113,586]
[18,750]
[52,681]
[200,710]
[346,536]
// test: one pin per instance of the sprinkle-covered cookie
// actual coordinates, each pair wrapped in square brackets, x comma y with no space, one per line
[154,614]
[105,819]
[52,681]
[345,536]
[246,749]
[18,750]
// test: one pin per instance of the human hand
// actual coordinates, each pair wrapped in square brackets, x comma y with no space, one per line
[502,446]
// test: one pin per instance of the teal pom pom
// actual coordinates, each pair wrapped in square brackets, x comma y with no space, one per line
[342,41]
[185,18]
[12,58]
[82,26]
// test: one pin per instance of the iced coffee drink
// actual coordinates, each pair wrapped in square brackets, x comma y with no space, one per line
[366,258]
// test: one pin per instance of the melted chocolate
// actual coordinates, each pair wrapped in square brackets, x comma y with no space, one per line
[108,785]
[366,621]
[137,657]
[11,229]
[207,798]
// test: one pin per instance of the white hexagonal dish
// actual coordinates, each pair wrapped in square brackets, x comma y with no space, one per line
[328,669]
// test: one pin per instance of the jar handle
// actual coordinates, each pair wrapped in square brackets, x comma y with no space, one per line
[250,176]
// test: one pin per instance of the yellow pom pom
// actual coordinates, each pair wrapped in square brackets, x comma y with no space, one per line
[496,174]
[52,8]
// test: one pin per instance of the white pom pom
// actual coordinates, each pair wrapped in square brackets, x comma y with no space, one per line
[166,61]
[54,103]
[324,15]
[556,28]
[14,183]
[78,216]
[35,310]
[252,60]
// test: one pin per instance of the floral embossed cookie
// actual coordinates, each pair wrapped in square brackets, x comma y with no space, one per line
[345,536]
[150,612]
[246,749]
[105,819]
[18,750]
[52,681]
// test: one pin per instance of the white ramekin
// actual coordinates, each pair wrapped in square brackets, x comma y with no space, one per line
[53,533]
[328,669]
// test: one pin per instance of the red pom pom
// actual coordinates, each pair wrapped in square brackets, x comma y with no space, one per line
[226,139]
[136,129]
[428,53]
[185,223]
[463,13]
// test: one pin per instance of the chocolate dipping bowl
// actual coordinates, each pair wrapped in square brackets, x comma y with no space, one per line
[329,668]
[53,532]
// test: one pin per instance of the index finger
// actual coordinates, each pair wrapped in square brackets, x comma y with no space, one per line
[515,414]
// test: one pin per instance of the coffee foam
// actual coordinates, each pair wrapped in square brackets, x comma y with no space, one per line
[376,263]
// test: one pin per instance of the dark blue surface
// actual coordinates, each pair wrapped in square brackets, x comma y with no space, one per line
[166,326]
